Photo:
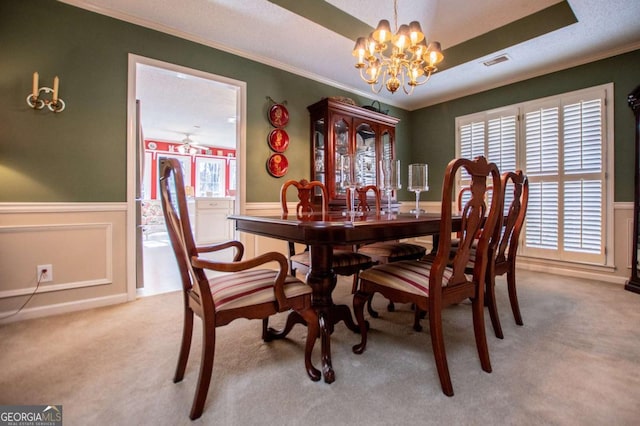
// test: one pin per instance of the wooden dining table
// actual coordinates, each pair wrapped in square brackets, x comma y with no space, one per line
[321,232]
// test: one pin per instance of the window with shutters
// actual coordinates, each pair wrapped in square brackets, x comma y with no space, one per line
[561,143]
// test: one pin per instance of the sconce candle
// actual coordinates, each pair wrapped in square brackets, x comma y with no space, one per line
[56,83]
[35,85]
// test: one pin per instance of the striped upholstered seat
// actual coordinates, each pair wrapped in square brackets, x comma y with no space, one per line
[409,276]
[393,251]
[251,287]
[344,261]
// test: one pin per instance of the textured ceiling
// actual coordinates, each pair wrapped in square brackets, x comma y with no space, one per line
[317,47]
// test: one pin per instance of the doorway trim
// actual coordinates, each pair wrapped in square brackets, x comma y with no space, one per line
[241,110]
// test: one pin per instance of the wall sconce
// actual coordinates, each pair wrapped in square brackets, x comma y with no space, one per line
[34,101]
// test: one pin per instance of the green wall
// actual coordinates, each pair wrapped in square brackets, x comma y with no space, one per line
[79,155]
[433,128]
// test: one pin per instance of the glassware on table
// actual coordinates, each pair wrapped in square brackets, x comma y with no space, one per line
[418,182]
[389,179]
[351,177]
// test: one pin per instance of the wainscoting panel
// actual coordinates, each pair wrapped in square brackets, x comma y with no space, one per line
[84,242]
[80,255]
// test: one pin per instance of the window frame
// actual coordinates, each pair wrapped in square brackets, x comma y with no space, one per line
[606,94]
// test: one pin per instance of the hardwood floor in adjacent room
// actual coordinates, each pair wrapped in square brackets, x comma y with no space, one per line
[161,274]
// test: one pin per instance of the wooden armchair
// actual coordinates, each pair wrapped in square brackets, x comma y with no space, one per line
[433,286]
[242,292]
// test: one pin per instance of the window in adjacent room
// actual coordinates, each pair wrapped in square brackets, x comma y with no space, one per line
[210,177]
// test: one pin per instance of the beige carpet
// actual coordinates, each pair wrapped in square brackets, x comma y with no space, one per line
[575,362]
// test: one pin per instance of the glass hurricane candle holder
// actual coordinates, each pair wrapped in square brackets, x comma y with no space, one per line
[418,182]
[389,179]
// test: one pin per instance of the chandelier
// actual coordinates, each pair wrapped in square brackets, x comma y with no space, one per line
[407,62]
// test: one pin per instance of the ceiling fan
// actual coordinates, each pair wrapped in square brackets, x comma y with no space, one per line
[189,147]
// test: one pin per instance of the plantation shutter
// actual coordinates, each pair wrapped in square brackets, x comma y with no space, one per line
[541,165]
[560,143]
[471,143]
[564,162]
[493,135]
[583,168]
[501,142]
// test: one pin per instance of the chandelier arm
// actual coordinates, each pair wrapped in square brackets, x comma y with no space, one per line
[427,77]
[404,86]
[365,79]
[382,82]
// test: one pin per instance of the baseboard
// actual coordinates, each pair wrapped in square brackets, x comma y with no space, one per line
[572,272]
[62,308]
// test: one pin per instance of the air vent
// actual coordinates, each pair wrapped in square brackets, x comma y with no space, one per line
[496,60]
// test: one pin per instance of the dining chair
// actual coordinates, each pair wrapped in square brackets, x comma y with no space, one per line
[345,261]
[433,286]
[240,289]
[502,255]
[382,251]
[503,245]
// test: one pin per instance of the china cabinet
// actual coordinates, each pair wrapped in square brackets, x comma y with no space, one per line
[339,128]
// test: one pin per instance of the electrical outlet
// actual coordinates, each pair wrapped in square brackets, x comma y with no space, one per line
[45,273]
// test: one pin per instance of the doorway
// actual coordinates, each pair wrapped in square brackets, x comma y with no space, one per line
[198,118]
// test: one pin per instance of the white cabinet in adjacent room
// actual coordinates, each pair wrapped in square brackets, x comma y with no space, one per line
[211,223]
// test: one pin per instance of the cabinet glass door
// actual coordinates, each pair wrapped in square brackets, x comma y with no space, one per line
[387,146]
[341,147]
[319,150]
[366,153]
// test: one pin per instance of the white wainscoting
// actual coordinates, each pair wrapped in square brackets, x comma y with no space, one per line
[84,243]
[87,245]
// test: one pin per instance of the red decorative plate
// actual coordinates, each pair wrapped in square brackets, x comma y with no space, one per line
[278,115]
[278,140]
[277,165]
